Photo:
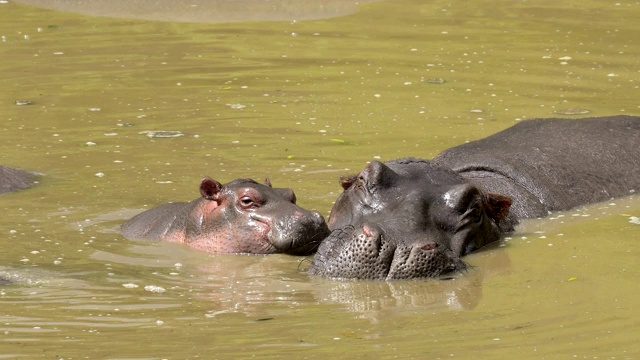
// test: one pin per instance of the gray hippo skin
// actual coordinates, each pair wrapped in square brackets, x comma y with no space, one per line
[415,218]
[239,217]
[14,179]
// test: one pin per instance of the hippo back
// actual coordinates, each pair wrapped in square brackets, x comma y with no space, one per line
[554,164]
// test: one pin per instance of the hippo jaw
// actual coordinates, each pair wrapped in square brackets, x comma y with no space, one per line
[364,252]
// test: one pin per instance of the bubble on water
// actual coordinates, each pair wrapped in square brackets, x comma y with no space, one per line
[95,109]
[634,220]
[155,289]
[130,285]
[236,106]
[90,143]
[100,174]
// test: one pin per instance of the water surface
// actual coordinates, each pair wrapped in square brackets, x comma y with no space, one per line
[301,103]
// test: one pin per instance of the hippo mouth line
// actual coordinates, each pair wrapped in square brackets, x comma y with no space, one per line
[380,258]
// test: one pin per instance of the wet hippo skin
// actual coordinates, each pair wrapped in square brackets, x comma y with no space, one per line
[414,218]
[14,179]
[239,217]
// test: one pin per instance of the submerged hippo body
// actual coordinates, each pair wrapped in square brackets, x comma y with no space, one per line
[414,218]
[14,179]
[239,217]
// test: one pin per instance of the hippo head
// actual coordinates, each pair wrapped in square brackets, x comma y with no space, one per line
[408,218]
[246,217]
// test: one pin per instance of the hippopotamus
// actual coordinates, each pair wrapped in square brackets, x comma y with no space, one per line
[14,179]
[414,218]
[242,216]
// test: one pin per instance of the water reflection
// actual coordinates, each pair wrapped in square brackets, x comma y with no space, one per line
[214,11]
[252,284]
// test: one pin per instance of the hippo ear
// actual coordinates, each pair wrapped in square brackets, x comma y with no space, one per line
[210,189]
[347,181]
[267,182]
[379,174]
[497,206]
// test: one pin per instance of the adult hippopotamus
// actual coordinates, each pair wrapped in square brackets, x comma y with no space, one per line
[14,179]
[239,217]
[415,218]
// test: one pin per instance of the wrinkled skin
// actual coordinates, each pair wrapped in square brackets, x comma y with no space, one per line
[13,179]
[240,217]
[437,211]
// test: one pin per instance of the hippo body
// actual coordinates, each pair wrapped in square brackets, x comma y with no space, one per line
[548,165]
[421,216]
[14,179]
[239,217]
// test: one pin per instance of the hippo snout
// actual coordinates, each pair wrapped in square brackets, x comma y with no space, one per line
[364,252]
[300,233]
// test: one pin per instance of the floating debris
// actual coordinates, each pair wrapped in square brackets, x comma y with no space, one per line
[90,143]
[436,81]
[572,112]
[23,102]
[130,285]
[237,106]
[634,220]
[161,134]
[477,111]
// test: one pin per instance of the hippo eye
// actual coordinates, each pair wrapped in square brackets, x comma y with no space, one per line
[247,201]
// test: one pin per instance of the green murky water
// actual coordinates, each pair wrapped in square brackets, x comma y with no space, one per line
[302,103]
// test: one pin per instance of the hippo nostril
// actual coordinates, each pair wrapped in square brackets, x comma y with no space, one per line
[429,246]
[367,231]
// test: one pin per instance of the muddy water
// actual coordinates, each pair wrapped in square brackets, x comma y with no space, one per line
[301,102]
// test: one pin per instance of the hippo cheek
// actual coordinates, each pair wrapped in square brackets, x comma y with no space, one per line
[262,227]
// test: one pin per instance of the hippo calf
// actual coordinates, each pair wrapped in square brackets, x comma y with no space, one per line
[415,218]
[239,217]
[14,179]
